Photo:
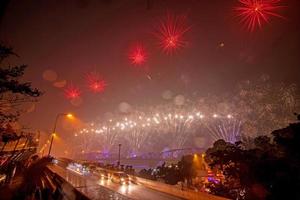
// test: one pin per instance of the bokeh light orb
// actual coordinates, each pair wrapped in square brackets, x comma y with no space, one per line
[49,75]
[31,108]
[200,142]
[167,95]
[108,115]
[124,107]
[76,101]
[60,84]
[179,100]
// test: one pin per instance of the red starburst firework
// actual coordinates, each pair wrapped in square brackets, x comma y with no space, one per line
[171,33]
[72,92]
[138,55]
[254,13]
[95,83]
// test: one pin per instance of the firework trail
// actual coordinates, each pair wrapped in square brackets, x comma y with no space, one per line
[175,126]
[226,128]
[85,139]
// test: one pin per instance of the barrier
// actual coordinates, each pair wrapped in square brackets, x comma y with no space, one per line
[57,181]
[169,189]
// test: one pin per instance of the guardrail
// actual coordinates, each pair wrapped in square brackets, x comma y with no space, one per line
[169,189]
[83,192]
[61,187]
[172,190]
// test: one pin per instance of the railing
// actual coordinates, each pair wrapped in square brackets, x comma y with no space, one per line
[17,150]
[59,187]
[170,189]
[82,192]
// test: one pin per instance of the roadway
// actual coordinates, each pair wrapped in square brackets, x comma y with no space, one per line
[96,188]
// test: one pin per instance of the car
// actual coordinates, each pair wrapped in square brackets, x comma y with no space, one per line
[103,174]
[78,168]
[120,177]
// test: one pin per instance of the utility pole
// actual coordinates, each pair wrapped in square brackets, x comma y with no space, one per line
[53,132]
[54,128]
[119,154]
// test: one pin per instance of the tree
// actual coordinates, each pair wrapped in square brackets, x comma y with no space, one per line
[13,92]
[187,168]
[270,170]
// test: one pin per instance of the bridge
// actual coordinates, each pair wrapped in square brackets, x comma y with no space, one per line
[144,160]
[92,186]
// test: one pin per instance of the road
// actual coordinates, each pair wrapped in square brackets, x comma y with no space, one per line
[96,188]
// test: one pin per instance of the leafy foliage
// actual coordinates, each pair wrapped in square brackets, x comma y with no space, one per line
[13,92]
[185,169]
[270,170]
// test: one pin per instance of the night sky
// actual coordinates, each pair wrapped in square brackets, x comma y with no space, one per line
[74,38]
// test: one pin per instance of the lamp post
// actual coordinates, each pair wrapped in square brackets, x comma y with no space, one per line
[119,154]
[54,128]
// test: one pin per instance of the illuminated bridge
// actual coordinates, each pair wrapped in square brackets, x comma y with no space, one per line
[145,160]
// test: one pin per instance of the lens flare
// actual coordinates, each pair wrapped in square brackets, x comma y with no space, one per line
[171,33]
[72,92]
[95,83]
[254,13]
[138,56]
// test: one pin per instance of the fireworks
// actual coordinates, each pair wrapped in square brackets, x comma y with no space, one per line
[258,108]
[265,106]
[254,13]
[108,136]
[174,126]
[226,128]
[95,83]
[72,92]
[138,55]
[171,33]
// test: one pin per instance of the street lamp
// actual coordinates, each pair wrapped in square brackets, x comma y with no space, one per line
[119,157]
[69,115]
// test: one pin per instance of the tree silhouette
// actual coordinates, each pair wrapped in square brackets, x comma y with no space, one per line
[13,92]
[270,170]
